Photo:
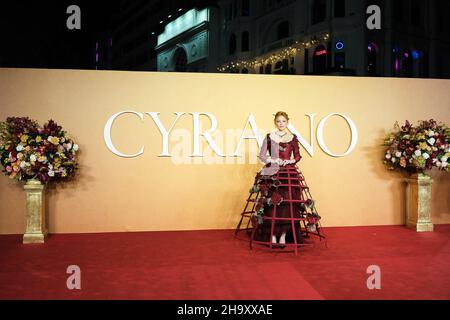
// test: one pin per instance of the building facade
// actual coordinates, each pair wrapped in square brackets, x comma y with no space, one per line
[280,37]
[331,37]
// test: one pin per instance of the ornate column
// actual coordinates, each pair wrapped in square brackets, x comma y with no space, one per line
[36,229]
[418,206]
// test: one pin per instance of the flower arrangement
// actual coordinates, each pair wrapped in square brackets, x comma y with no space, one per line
[418,148]
[29,151]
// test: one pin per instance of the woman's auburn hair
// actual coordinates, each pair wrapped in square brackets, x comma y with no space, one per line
[281,113]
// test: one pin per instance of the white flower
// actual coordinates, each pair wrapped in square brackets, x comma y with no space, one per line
[388,156]
[431,141]
[75,147]
[23,164]
[33,158]
[51,173]
[430,133]
[417,153]
[398,154]
[68,146]
[19,148]
[444,159]
[444,164]
[438,164]
[425,155]
[50,166]
[393,160]
[434,160]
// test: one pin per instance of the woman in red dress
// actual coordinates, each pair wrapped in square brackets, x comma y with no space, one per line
[281,202]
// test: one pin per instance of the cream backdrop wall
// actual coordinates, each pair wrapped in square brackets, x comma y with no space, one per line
[158,193]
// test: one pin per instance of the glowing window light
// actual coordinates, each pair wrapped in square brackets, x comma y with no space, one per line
[188,20]
[415,55]
[320,53]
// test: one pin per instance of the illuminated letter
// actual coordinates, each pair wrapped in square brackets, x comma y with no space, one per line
[207,135]
[354,134]
[107,135]
[165,133]
[256,134]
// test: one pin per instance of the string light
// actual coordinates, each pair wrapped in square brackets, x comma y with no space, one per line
[275,57]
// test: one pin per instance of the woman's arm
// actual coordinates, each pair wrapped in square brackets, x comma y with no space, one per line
[263,152]
[296,146]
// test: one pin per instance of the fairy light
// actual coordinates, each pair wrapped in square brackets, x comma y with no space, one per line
[276,56]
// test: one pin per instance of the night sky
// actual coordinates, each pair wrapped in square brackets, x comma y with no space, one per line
[34,34]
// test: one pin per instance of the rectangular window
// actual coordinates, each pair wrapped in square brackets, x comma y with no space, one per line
[339,8]
[228,12]
[416,13]
[399,10]
[319,11]
[245,8]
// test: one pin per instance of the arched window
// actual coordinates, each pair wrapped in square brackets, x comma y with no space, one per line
[282,67]
[232,44]
[372,50]
[420,63]
[245,45]
[180,60]
[245,70]
[320,60]
[278,68]
[319,11]
[407,64]
[339,60]
[283,30]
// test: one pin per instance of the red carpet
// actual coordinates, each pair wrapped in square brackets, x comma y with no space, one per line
[214,265]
